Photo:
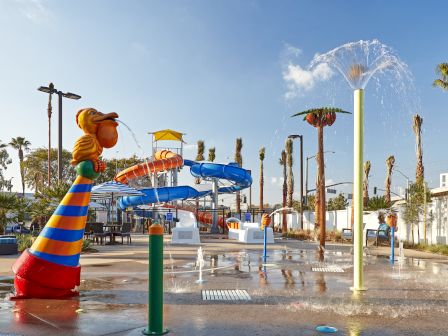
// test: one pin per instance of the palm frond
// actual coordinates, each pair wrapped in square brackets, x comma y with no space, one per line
[262,153]
[321,110]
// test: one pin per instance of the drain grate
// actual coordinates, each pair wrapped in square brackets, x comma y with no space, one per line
[225,295]
[332,269]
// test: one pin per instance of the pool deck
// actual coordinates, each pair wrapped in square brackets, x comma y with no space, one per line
[290,294]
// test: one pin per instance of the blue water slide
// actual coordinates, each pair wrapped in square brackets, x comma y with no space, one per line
[231,172]
[163,194]
[240,178]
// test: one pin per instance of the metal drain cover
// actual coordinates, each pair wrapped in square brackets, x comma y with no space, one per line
[332,269]
[225,295]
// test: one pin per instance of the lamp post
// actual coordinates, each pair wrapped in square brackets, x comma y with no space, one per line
[407,180]
[306,175]
[295,136]
[50,90]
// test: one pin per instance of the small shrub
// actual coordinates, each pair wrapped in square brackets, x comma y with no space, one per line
[24,241]
[333,236]
[86,246]
[438,249]
[299,234]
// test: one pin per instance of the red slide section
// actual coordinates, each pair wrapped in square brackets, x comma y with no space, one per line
[201,216]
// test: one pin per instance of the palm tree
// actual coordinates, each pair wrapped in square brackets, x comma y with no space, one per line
[390,161]
[442,71]
[365,198]
[262,155]
[319,118]
[290,176]
[21,144]
[199,157]
[239,160]
[200,153]
[211,154]
[417,127]
[282,162]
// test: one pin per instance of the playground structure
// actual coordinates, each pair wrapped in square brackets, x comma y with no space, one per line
[169,161]
[50,268]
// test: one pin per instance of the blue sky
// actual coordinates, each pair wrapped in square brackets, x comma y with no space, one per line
[214,70]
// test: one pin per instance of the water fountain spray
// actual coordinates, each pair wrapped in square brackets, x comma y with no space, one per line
[200,263]
[358,62]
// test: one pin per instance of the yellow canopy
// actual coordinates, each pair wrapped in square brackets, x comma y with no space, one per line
[168,135]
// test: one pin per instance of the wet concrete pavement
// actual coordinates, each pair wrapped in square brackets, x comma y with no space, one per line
[288,297]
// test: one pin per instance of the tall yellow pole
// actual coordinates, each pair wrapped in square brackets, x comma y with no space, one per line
[358,273]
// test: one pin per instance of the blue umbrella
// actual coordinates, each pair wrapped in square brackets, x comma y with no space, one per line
[113,189]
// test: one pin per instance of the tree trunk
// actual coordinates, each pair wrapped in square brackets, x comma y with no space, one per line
[238,202]
[22,172]
[321,187]
[285,192]
[261,186]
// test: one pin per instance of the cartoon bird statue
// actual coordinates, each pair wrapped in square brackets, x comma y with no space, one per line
[50,268]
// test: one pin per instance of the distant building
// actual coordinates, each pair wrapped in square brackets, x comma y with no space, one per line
[443,180]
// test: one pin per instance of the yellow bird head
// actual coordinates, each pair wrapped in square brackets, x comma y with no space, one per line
[103,126]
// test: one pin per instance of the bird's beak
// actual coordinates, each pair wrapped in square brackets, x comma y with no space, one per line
[102,117]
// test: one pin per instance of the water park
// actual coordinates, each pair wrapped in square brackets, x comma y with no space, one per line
[135,231]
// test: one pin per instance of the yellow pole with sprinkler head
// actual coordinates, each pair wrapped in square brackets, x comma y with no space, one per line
[358,273]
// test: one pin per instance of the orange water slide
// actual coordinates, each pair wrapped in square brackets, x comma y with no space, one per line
[163,160]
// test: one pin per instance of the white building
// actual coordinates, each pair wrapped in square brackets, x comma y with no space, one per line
[443,180]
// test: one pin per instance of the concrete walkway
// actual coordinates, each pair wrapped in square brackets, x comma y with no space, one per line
[290,294]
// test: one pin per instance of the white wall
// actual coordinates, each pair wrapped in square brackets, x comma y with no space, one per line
[335,220]
[437,230]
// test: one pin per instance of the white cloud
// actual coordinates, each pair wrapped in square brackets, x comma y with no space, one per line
[33,10]
[299,80]
[292,51]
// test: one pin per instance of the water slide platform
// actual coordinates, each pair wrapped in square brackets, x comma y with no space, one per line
[185,235]
[250,233]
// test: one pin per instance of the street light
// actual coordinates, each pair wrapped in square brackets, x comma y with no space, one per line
[306,175]
[50,90]
[407,179]
[295,136]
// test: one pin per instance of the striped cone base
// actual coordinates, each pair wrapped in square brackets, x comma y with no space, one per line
[50,268]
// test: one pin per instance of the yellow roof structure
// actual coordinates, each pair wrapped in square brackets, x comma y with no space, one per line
[168,134]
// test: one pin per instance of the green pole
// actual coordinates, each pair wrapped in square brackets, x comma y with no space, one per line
[155,297]
[358,273]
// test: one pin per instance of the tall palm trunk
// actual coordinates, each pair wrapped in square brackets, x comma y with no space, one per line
[239,160]
[22,171]
[417,127]
[365,197]
[199,157]
[282,161]
[262,155]
[390,166]
[290,175]
[320,188]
